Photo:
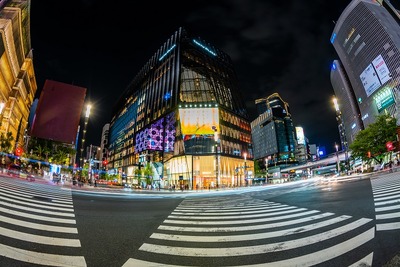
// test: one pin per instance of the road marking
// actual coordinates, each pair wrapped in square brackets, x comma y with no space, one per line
[37,217]
[42,258]
[243,228]
[366,261]
[233,238]
[54,241]
[252,250]
[38,210]
[387,226]
[229,211]
[31,200]
[26,203]
[241,221]
[44,227]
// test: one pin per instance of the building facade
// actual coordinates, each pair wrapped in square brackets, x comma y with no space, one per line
[182,120]
[273,133]
[17,76]
[367,40]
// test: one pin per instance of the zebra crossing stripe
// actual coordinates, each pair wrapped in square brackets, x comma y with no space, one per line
[37,217]
[26,203]
[395,207]
[31,200]
[228,211]
[11,205]
[252,250]
[387,226]
[50,228]
[55,198]
[388,216]
[387,197]
[243,228]
[387,193]
[305,260]
[222,215]
[387,202]
[40,239]
[41,258]
[242,221]
[233,238]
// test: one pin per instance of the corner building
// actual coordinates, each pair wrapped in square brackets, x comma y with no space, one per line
[182,120]
[367,40]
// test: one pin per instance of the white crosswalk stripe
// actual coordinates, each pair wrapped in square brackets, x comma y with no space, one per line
[386,191]
[239,229]
[41,218]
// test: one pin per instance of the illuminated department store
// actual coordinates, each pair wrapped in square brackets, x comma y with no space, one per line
[183,114]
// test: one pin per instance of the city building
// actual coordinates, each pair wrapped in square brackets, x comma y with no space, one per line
[182,121]
[302,146]
[366,77]
[18,83]
[104,143]
[273,133]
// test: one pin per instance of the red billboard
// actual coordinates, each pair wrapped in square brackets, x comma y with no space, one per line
[58,112]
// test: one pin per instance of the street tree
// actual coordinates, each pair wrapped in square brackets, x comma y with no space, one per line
[370,143]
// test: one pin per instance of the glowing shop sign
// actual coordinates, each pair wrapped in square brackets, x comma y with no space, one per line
[383,99]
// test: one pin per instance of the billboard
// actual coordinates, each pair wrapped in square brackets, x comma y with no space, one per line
[58,112]
[198,121]
[370,80]
[300,136]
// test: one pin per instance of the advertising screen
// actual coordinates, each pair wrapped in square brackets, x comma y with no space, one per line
[198,121]
[370,80]
[381,69]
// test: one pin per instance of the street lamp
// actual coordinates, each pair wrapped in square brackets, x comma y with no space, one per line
[87,114]
[216,139]
[337,158]
[245,166]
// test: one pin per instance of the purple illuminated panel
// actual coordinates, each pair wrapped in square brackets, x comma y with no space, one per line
[152,138]
[170,132]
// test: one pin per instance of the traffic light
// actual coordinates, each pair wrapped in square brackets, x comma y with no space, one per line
[19,151]
[389,146]
[105,162]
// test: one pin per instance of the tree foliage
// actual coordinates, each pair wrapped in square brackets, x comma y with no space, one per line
[372,140]
[5,142]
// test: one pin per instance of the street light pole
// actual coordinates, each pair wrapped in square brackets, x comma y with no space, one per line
[87,114]
[216,139]
[337,158]
[245,167]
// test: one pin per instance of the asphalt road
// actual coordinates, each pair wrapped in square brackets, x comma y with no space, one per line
[317,222]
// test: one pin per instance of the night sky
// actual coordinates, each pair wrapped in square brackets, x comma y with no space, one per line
[276,46]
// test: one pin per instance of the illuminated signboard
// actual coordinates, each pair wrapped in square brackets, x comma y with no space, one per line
[370,80]
[381,69]
[383,99]
[300,136]
[198,121]
[156,137]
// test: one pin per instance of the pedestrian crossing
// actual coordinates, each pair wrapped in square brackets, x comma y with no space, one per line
[37,225]
[243,231]
[386,191]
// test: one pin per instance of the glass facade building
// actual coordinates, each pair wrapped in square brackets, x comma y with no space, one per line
[366,38]
[183,117]
[273,133]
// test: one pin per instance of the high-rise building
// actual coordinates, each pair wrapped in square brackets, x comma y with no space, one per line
[273,133]
[366,82]
[18,83]
[183,120]
[104,143]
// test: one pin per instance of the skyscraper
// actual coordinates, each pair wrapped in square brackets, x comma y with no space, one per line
[367,40]
[273,133]
[183,118]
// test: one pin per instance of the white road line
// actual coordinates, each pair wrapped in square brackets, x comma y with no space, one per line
[241,221]
[233,211]
[366,261]
[242,228]
[31,200]
[305,260]
[42,204]
[387,226]
[252,250]
[387,193]
[387,202]
[41,258]
[237,216]
[53,199]
[214,208]
[37,210]
[233,238]
[387,197]
[388,216]
[395,207]
[37,217]
[44,227]
[64,242]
